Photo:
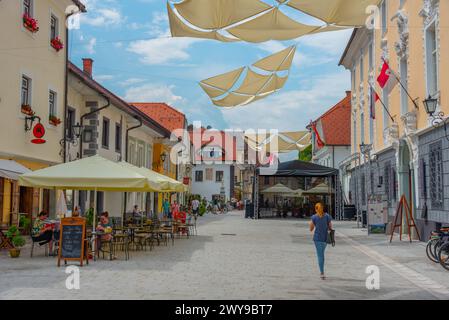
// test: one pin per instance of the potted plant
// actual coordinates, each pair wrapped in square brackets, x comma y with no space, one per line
[17,241]
[90,217]
[30,23]
[57,44]
[54,120]
[27,110]
[24,224]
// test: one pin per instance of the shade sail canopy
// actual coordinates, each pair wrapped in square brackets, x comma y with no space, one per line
[298,168]
[340,12]
[179,29]
[93,173]
[319,189]
[279,189]
[273,25]
[224,81]
[280,61]
[218,14]
[254,86]
[12,170]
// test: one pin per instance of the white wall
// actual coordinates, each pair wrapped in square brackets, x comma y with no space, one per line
[209,188]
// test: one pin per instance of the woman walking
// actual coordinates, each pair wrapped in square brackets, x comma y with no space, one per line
[321,223]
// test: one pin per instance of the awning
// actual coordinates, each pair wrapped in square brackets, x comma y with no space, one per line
[298,168]
[10,169]
[319,189]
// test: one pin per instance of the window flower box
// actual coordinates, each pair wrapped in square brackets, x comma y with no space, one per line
[57,44]
[30,23]
[54,120]
[27,110]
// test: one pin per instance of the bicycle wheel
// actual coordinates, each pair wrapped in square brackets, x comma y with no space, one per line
[430,250]
[436,247]
[443,256]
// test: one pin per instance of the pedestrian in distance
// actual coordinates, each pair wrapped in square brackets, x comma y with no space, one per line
[321,224]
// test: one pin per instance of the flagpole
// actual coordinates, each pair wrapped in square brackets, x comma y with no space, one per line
[383,104]
[403,87]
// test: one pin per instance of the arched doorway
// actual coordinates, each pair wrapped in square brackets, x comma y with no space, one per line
[406,176]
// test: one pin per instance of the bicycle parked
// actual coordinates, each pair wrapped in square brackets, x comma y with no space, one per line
[437,248]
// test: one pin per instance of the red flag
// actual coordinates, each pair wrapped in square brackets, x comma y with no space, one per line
[387,79]
[319,142]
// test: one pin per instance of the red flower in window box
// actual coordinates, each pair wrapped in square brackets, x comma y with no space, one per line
[27,110]
[57,44]
[30,23]
[54,120]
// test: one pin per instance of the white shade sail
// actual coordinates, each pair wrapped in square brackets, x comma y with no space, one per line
[340,12]
[273,25]
[224,81]
[254,86]
[218,14]
[179,29]
[280,61]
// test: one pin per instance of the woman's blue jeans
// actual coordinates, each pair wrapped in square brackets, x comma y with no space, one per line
[320,249]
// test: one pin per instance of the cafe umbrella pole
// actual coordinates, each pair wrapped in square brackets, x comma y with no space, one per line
[94,237]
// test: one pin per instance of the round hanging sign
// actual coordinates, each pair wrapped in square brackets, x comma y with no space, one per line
[39,133]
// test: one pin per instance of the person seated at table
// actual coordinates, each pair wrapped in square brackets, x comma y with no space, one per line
[174,209]
[105,226]
[42,231]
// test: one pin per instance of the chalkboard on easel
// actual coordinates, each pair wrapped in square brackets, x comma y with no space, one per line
[72,240]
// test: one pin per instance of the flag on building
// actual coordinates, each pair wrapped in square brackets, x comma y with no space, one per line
[387,79]
[320,143]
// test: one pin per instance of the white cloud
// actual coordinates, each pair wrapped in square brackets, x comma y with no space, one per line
[291,110]
[162,50]
[153,93]
[102,13]
[90,47]
[104,77]
[131,81]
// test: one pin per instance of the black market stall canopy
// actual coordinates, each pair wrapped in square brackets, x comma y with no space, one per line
[298,168]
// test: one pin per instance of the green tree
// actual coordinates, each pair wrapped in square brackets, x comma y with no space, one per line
[306,154]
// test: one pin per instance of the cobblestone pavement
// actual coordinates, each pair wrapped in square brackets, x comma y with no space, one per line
[235,258]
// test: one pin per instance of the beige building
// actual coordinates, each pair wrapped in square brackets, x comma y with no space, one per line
[407,153]
[32,91]
[113,129]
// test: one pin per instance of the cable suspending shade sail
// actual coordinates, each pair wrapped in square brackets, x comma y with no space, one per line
[256,21]
[254,86]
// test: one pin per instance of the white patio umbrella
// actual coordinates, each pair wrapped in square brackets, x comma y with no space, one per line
[319,190]
[61,205]
[279,189]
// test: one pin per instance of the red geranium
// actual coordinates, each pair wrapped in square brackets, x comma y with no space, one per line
[57,44]
[54,120]
[30,23]
[27,110]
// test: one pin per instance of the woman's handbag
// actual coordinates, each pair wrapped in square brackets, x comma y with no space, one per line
[331,237]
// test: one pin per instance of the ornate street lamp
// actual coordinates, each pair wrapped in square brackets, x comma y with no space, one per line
[436,117]
[163,157]
[77,130]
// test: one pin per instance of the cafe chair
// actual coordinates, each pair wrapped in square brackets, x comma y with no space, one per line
[33,243]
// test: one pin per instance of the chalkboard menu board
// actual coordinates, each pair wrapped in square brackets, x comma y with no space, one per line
[71,243]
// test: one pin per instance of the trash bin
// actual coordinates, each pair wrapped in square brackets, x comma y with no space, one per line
[249,210]
[349,213]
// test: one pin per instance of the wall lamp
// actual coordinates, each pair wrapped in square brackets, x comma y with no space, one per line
[431,105]
[29,120]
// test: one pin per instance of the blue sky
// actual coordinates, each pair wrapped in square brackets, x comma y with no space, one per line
[137,59]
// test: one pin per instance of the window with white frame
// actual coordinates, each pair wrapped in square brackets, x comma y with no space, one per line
[140,154]
[404,80]
[354,135]
[54,27]
[28,7]
[354,89]
[52,106]
[26,91]
[386,102]
[431,60]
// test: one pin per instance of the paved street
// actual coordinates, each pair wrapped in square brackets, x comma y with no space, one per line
[234,258]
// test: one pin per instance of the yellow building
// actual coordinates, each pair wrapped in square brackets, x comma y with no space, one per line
[404,154]
[32,91]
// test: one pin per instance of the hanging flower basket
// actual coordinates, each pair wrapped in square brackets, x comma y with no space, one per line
[30,23]
[27,110]
[54,121]
[57,44]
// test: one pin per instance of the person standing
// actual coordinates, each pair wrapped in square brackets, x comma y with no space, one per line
[195,207]
[166,208]
[321,223]
[174,210]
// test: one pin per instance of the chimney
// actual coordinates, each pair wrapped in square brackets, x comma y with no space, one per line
[87,66]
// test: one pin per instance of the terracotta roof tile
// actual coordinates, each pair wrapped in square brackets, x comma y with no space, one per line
[165,115]
[336,123]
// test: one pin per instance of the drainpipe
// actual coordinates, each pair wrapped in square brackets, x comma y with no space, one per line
[66,88]
[126,158]
[89,114]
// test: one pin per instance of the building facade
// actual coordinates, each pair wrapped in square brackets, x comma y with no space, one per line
[400,151]
[113,129]
[32,97]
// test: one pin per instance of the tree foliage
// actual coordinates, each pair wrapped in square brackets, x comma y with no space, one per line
[306,154]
